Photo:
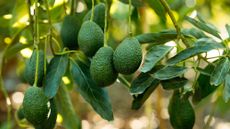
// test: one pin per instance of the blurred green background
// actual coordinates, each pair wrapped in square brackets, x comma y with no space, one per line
[146,17]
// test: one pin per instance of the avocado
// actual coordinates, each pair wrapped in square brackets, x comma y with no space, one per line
[127,56]
[35,105]
[69,31]
[101,67]
[90,38]
[99,15]
[30,68]
[182,115]
[20,113]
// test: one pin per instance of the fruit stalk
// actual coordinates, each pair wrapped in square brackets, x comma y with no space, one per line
[106,23]
[92,14]
[130,24]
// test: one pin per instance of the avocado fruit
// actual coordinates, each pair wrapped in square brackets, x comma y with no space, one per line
[30,68]
[69,31]
[35,105]
[90,38]
[101,68]
[182,115]
[20,113]
[99,15]
[127,56]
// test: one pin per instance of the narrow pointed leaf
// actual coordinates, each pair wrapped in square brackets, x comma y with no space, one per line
[141,98]
[220,71]
[158,37]
[97,97]
[228,29]
[169,72]
[154,55]
[56,69]
[204,26]
[141,83]
[226,91]
[174,83]
[192,51]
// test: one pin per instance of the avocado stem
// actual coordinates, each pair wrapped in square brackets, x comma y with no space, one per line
[129,20]
[106,23]
[92,13]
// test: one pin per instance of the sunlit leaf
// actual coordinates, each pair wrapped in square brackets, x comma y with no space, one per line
[158,8]
[154,55]
[204,26]
[97,97]
[192,51]
[56,69]
[174,83]
[169,72]
[220,71]
[14,49]
[135,3]
[226,90]
[228,29]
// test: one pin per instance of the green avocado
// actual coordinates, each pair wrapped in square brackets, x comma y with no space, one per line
[69,31]
[101,67]
[90,38]
[99,15]
[182,115]
[127,56]
[35,105]
[30,69]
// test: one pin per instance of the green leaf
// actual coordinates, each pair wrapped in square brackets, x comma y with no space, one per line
[141,98]
[220,71]
[169,72]
[51,2]
[154,55]
[141,83]
[226,90]
[158,8]
[203,88]
[158,38]
[56,69]
[192,51]
[66,109]
[135,3]
[174,83]
[204,26]
[194,32]
[228,29]
[97,97]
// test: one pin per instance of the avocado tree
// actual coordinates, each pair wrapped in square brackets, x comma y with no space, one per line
[80,40]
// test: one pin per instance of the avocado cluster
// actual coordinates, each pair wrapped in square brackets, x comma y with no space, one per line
[106,64]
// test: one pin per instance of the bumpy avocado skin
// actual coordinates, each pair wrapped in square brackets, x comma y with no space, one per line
[90,38]
[102,69]
[182,115]
[69,31]
[127,56]
[30,68]
[99,15]
[35,105]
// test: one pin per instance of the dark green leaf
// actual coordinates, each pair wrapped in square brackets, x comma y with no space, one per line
[228,29]
[158,38]
[204,26]
[66,109]
[56,69]
[141,98]
[192,51]
[203,88]
[220,71]
[135,3]
[158,8]
[194,32]
[226,91]
[169,72]
[203,71]
[174,83]
[141,83]
[154,55]
[97,97]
